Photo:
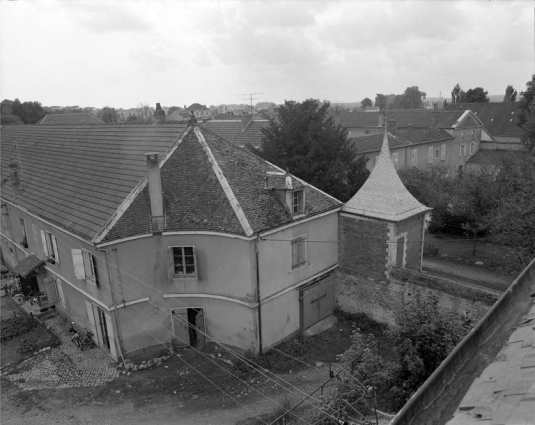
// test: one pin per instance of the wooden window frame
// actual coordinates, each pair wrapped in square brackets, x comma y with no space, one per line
[50,246]
[299,252]
[171,264]
[84,265]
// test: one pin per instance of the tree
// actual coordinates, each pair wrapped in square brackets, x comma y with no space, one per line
[311,146]
[366,102]
[173,109]
[477,95]
[512,223]
[108,114]
[476,199]
[510,94]
[28,112]
[457,94]
[380,102]
[526,118]
[412,98]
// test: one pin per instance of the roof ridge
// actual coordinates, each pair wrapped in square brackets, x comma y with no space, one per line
[224,183]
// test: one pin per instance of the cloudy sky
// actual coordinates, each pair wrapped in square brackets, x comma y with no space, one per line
[122,53]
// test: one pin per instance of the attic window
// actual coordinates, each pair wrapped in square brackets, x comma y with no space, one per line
[298,206]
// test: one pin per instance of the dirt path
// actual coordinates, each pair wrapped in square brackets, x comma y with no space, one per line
[470,274]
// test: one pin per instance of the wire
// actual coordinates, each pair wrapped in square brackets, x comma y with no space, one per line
[258,367]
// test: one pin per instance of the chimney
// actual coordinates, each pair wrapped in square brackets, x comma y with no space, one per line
[155,192]
[159,115]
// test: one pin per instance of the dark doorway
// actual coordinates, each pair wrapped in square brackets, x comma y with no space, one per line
[29,284]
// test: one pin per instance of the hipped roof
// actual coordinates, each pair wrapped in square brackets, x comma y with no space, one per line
[383,195]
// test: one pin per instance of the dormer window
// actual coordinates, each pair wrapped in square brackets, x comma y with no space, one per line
[298,205]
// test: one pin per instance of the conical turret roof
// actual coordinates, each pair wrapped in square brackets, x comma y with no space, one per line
[383,195]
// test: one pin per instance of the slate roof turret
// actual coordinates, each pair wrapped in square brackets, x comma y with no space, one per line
[383,195]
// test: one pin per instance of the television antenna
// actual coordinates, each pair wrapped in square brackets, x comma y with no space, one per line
[250,97]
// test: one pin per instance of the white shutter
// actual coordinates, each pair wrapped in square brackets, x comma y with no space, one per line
[430,154]
[55,248]
[89,266]
[78,263]
[91,317]
[443,152]
[196,264]
[45,247]
[170,265]
[111,336]
[60,292]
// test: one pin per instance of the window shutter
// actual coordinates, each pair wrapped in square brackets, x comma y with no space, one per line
[430,154]
[37,238]
[92,322]
[443,152]
[78,263]
[55,248]
[45,247]
[196,263]
[89,267]
[170,265]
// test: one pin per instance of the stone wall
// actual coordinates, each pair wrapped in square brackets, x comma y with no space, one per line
[381,298]
[363,246]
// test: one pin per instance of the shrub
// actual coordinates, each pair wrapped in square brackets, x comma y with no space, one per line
[15,326]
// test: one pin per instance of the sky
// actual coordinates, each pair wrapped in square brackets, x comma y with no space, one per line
[122,53]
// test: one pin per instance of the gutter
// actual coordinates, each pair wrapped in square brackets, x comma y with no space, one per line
[257,242]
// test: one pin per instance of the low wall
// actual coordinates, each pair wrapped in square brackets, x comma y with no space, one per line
[436,384]
[380,299]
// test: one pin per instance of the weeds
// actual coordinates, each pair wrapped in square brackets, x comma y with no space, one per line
[15,326]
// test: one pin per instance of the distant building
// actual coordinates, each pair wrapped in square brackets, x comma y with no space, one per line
[239,132]
[69,119]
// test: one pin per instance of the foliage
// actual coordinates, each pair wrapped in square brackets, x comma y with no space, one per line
[510,94]
[173,109]
[457,94]
[311,146]
[526,118]
[412,98]
[476,197]
[366,102]
[434,188]
[26,346]
[380,101]
[422,337]
[108,114]
[476,95]
[511,222]
[27,112]
[15,326]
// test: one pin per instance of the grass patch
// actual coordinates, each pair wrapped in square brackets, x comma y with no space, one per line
[22,336]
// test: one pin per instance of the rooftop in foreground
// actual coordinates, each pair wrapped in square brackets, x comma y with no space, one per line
[504,394]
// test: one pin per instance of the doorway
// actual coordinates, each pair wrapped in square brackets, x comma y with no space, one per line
[317,301]
[189,328]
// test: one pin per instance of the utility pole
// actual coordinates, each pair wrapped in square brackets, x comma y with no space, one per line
[250,97]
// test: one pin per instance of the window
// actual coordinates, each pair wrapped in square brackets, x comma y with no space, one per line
[367,132]
[472,148]
[430,154]
[50,246]
[299,255]
[443,152]
[395,160]
[437,153]
[414,157]
[24,241]
[297,202]
[462,150]
[84,265]
[182,262]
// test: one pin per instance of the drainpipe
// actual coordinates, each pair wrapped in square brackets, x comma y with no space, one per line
[258,298]
[422,244]
[115,315]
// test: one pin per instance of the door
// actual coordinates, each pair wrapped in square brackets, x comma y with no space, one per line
[92,321]
[400,252]
[317,302]
[179,317]
[29,284]
[50,290]
[103,328]
[201,328]
[60,292]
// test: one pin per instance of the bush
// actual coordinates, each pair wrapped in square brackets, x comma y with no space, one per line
[15,326]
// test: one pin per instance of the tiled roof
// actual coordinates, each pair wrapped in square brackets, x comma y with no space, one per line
[76,177]
[504,393]
[27,265]
[383,195]
[69,119]
[234,132]
[194,198]
[424,118]
[403,137]
[499,118]
[492,156]
[357,119]
[178,116]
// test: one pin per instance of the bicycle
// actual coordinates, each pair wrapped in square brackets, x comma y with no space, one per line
[85,341]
